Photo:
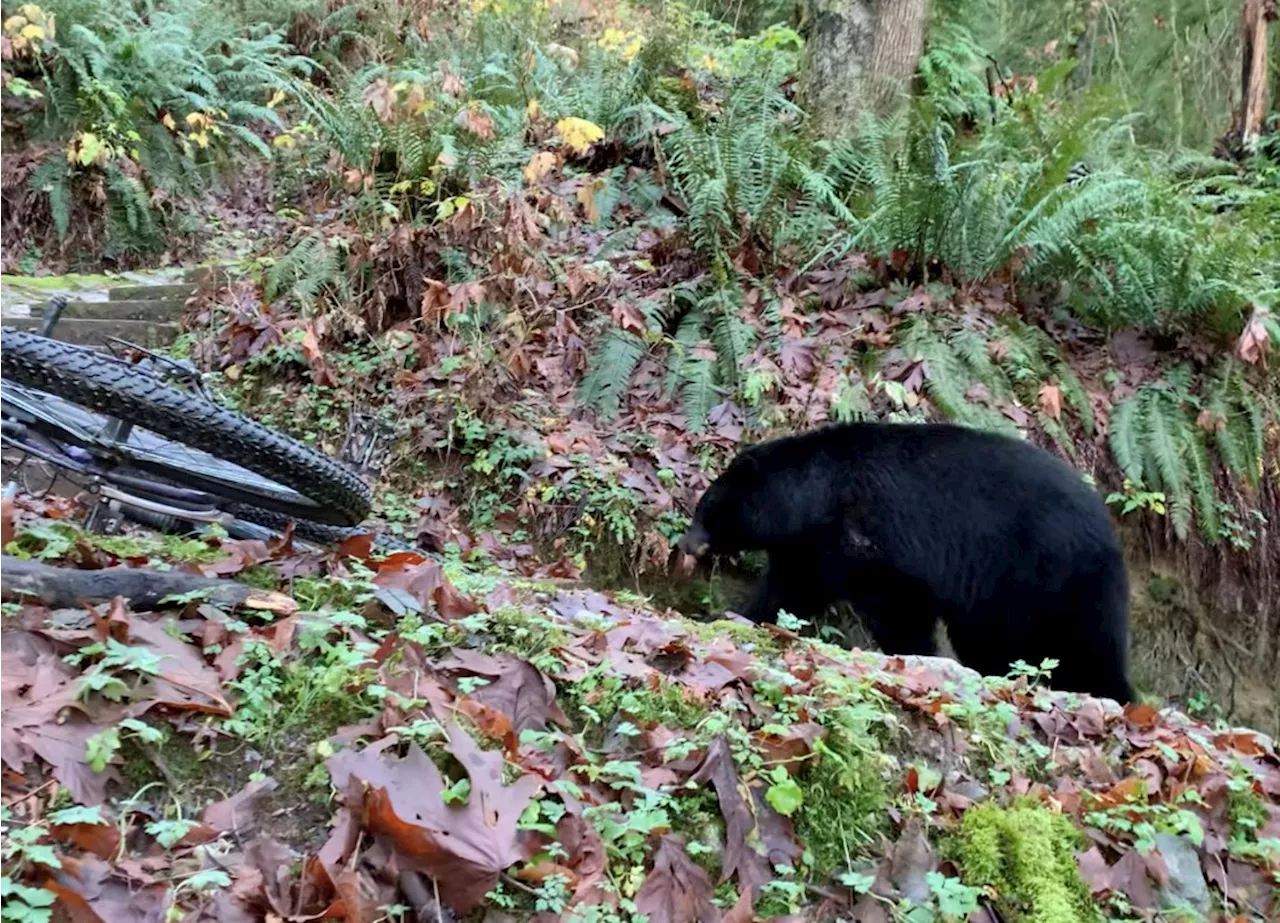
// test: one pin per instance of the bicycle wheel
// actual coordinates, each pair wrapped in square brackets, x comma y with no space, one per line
[177,435]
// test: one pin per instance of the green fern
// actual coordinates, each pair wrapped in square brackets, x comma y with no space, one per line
[948,377]
[1166,437]
[610,370]
[308,268]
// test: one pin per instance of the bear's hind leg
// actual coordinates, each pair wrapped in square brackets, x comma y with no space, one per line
[901,616]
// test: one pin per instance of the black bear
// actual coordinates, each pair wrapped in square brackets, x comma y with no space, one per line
[911,523]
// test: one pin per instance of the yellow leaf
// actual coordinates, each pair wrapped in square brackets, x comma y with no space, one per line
[285,140]
[538,166]
[169,123]
[200,137]
[612,38]
[32,32]
[532,111]
[32,12]
[579,134]
[587,196]
[276,99]
[14,23]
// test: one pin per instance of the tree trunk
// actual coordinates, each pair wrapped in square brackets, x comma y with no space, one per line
[859,56]
[1253,67]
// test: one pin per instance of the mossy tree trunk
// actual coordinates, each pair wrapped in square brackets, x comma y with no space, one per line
[859,56]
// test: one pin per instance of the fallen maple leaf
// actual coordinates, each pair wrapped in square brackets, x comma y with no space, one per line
[1142,716]
[91,891]
[464,847]
[235,814]
[628,316]
[516,688]
[677,890]
[424,584]
[42,716]
[1211,422]
[910,862]
[180,679]
[740,859]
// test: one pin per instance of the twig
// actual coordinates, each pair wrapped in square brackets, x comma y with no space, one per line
[425,906]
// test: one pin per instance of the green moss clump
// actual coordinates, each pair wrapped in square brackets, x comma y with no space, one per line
[845,802]
[1025,853]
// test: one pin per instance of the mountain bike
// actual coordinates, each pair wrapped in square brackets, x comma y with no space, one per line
[143,436]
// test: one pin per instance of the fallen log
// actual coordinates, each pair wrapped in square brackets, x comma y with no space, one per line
[33,581]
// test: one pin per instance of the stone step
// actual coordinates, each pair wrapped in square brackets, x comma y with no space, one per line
[103,310]
[180,291]
[156,310]
[94,331]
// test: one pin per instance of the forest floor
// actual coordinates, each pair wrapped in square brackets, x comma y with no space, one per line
[368,738]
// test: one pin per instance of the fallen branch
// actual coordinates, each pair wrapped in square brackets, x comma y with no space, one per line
[32,581]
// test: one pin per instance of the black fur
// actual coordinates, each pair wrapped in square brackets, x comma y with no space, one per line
[913,523]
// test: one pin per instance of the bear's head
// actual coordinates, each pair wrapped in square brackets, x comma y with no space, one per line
[723,520]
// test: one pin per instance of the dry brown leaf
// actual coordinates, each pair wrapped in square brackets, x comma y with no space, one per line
[450,82]
[6,521]
[475,120]
[1050,401]
[677,890]
[464,847]
[1255,339]
[381,95]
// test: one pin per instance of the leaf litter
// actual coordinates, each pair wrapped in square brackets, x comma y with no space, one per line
[537,749]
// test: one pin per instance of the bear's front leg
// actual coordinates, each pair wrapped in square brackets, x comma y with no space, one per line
[789,583]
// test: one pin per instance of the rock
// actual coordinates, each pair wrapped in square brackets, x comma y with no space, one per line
[1186,886]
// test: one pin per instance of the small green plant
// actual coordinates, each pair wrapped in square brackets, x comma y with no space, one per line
[24,847]
[1133,498]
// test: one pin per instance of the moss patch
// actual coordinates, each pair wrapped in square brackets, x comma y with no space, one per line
[845,803]
[1025,853]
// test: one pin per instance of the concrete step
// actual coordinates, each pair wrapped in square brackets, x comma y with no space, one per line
[94,331]
[180,292]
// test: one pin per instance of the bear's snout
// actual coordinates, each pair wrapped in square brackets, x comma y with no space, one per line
[696,541]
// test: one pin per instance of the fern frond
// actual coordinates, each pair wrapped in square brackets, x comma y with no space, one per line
[610,370]
[1125,436]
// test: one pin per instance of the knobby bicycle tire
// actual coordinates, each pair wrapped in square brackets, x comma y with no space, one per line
[107,385]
